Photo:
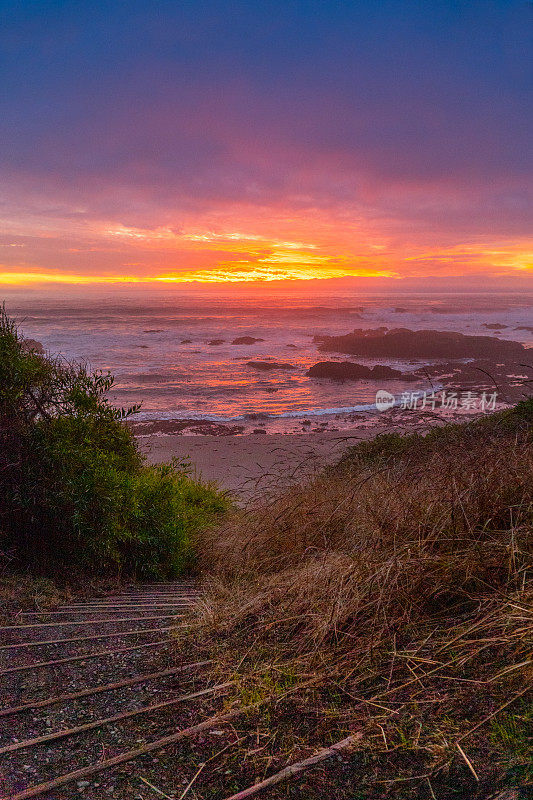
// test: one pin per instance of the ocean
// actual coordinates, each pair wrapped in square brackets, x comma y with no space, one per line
[172,350]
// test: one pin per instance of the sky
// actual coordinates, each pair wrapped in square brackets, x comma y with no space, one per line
[380,143]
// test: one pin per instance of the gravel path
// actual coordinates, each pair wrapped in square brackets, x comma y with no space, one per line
[108,640]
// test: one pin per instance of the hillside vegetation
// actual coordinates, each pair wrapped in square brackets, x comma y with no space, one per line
[74,491]
[390,595]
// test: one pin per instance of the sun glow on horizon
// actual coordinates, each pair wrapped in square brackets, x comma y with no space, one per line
[261,274]
[224,250]
[231,274]
[25,278]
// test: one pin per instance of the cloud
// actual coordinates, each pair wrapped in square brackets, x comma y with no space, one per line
[341,127]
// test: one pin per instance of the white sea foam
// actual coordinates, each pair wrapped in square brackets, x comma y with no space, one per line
[142,342]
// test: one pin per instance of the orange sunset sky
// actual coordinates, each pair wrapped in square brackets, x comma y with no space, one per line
[267,142]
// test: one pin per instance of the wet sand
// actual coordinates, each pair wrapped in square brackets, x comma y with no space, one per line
[254,463]
[259,462]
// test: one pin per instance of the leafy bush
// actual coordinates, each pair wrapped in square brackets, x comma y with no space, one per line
[73,487]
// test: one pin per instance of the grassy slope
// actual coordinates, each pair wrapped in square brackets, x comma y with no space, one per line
[398,582]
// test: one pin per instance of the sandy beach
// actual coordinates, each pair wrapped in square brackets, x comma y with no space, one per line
[242,464]
[249,463]
[246,464]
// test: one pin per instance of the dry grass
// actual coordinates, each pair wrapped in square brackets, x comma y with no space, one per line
[26,592]
[398,582]
[22,592]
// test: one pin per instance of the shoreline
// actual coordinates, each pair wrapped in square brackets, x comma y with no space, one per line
[249,463]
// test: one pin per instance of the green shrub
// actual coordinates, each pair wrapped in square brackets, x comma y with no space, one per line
[167,508]
[73,487]
[389,448]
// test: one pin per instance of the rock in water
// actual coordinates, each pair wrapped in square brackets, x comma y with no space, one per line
[246,340]
[349,371]
[32,345]
[405,343]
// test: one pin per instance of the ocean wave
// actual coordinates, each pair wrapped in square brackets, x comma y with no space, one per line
[145,416]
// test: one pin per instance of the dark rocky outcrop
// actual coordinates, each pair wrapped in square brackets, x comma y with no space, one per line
[247,340]
[477,372]
[178,426]
[186,341]
[348,371]
[405,343]
[511,380]
[494,326]
[32,345]
[265,366]
[216,341]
